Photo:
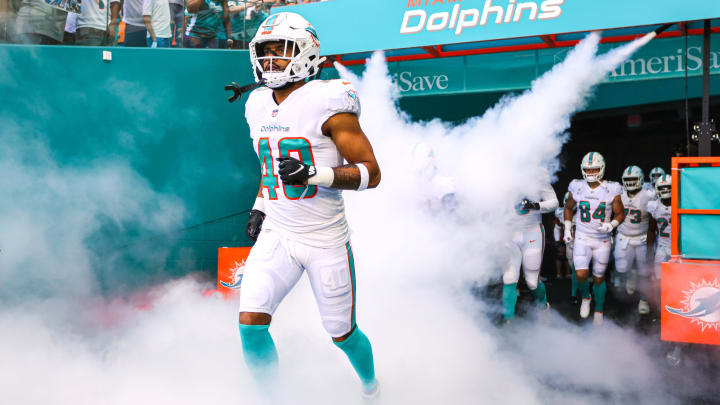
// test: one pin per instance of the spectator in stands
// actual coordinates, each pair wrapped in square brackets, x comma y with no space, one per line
[177,20]
[246,17]
[70,29]
[205,17]
[39,23]
[97,24]
[156,16]
[135,30]
[223,33]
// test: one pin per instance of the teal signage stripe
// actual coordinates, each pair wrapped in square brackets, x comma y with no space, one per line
[660,59]
[352,26]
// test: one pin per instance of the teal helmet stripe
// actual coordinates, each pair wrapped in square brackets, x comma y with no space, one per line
[591,157]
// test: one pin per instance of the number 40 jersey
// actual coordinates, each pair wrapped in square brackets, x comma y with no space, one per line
[594,206]
[313,215]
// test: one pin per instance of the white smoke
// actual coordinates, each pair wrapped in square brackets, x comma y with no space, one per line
[431,342]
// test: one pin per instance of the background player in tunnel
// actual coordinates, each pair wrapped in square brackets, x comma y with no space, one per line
[526,248]
[304,130]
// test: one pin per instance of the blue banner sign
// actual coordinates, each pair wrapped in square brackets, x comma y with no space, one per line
[353,26]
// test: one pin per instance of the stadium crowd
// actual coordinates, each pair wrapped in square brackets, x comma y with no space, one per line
[138,23]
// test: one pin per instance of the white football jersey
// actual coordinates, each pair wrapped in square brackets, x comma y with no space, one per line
[661,213]
[524,219]
[594,206]
[313,215]
[636,216]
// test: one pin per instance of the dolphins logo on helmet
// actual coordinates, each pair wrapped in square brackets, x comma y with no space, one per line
[300,41]
[593,160]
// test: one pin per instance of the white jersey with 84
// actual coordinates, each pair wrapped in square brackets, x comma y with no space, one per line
[594,206]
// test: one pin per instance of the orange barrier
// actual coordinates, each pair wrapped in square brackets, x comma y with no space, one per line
[690,302]
[231,262]
[690,289]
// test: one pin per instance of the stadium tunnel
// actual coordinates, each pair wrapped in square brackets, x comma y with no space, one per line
[648,110]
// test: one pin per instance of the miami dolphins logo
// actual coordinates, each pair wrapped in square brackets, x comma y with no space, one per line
[701,305]
[237,276]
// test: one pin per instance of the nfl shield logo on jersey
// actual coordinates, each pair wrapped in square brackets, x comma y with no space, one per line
[275,113]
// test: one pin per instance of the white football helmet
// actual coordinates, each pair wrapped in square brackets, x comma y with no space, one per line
[655,174]
[593,160]
[300,39]
[633,178]
[663,186]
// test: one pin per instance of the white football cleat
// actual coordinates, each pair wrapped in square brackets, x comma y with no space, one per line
[643,307]
[372,393]
[597,318]
[585,308]
[630,286]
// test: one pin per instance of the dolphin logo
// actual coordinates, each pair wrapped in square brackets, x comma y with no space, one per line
[235,285]
[705,307]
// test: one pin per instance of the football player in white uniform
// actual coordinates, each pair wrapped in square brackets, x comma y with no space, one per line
[600,210]
[631,240]
[565,249]
[526,248]
[303,131]
[659,227]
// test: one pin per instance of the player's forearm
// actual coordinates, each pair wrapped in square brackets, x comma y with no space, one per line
[348,177]
[568,214]
[148,26]
[549,205]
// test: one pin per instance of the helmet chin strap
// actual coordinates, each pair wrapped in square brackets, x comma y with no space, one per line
[238,90]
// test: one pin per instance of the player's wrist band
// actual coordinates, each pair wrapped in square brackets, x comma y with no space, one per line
[259,204]
[324,176]
[614,223]
[364,176]
[568,225]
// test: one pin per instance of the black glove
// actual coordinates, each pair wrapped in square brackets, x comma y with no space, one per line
[294,172]
[529,205]
[254,224]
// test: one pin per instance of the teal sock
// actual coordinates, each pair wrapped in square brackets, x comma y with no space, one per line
[259,350]
[599,291]
[573,283]
[509,299]
[540,295]
[358,349]
[584,289]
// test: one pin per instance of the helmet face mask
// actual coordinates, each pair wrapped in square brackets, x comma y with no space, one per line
[632,178]
[593,167]
[300,49]
[663,187]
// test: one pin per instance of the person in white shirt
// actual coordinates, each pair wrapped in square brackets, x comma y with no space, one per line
[156,16]
[97,24]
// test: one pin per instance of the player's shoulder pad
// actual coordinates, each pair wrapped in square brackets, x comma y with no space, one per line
[574,185]
[340,95]
[614,187]
[651,205]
